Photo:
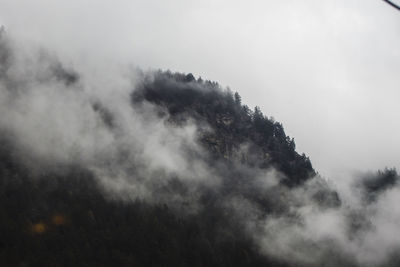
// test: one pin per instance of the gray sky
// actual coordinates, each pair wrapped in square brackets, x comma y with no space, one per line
[328,70]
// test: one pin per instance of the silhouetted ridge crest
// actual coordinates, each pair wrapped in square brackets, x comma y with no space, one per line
[233,123]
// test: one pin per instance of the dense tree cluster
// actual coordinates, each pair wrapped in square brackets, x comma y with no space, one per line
[374,184]
[234,123]
[62,218]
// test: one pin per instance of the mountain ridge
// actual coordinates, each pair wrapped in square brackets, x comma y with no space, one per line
[165,170]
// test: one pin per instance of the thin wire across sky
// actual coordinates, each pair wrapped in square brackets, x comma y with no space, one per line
[392,4]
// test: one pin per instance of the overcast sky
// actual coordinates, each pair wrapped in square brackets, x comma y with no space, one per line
[328,70]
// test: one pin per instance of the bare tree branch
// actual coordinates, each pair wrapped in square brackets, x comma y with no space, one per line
[392,4]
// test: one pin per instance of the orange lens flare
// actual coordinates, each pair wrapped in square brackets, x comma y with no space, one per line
[39,228]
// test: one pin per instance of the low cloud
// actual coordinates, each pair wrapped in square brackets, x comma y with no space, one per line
[56,114]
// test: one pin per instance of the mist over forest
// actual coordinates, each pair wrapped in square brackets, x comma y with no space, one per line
[158,168]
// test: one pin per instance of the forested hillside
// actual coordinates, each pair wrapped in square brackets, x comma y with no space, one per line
[60,216]
[163,169]
[233,124]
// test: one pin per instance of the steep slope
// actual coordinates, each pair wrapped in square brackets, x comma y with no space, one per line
[233,124]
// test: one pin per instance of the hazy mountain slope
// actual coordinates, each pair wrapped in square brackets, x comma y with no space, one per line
[233,124]
[64,219]
[95,228]
[162,169]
